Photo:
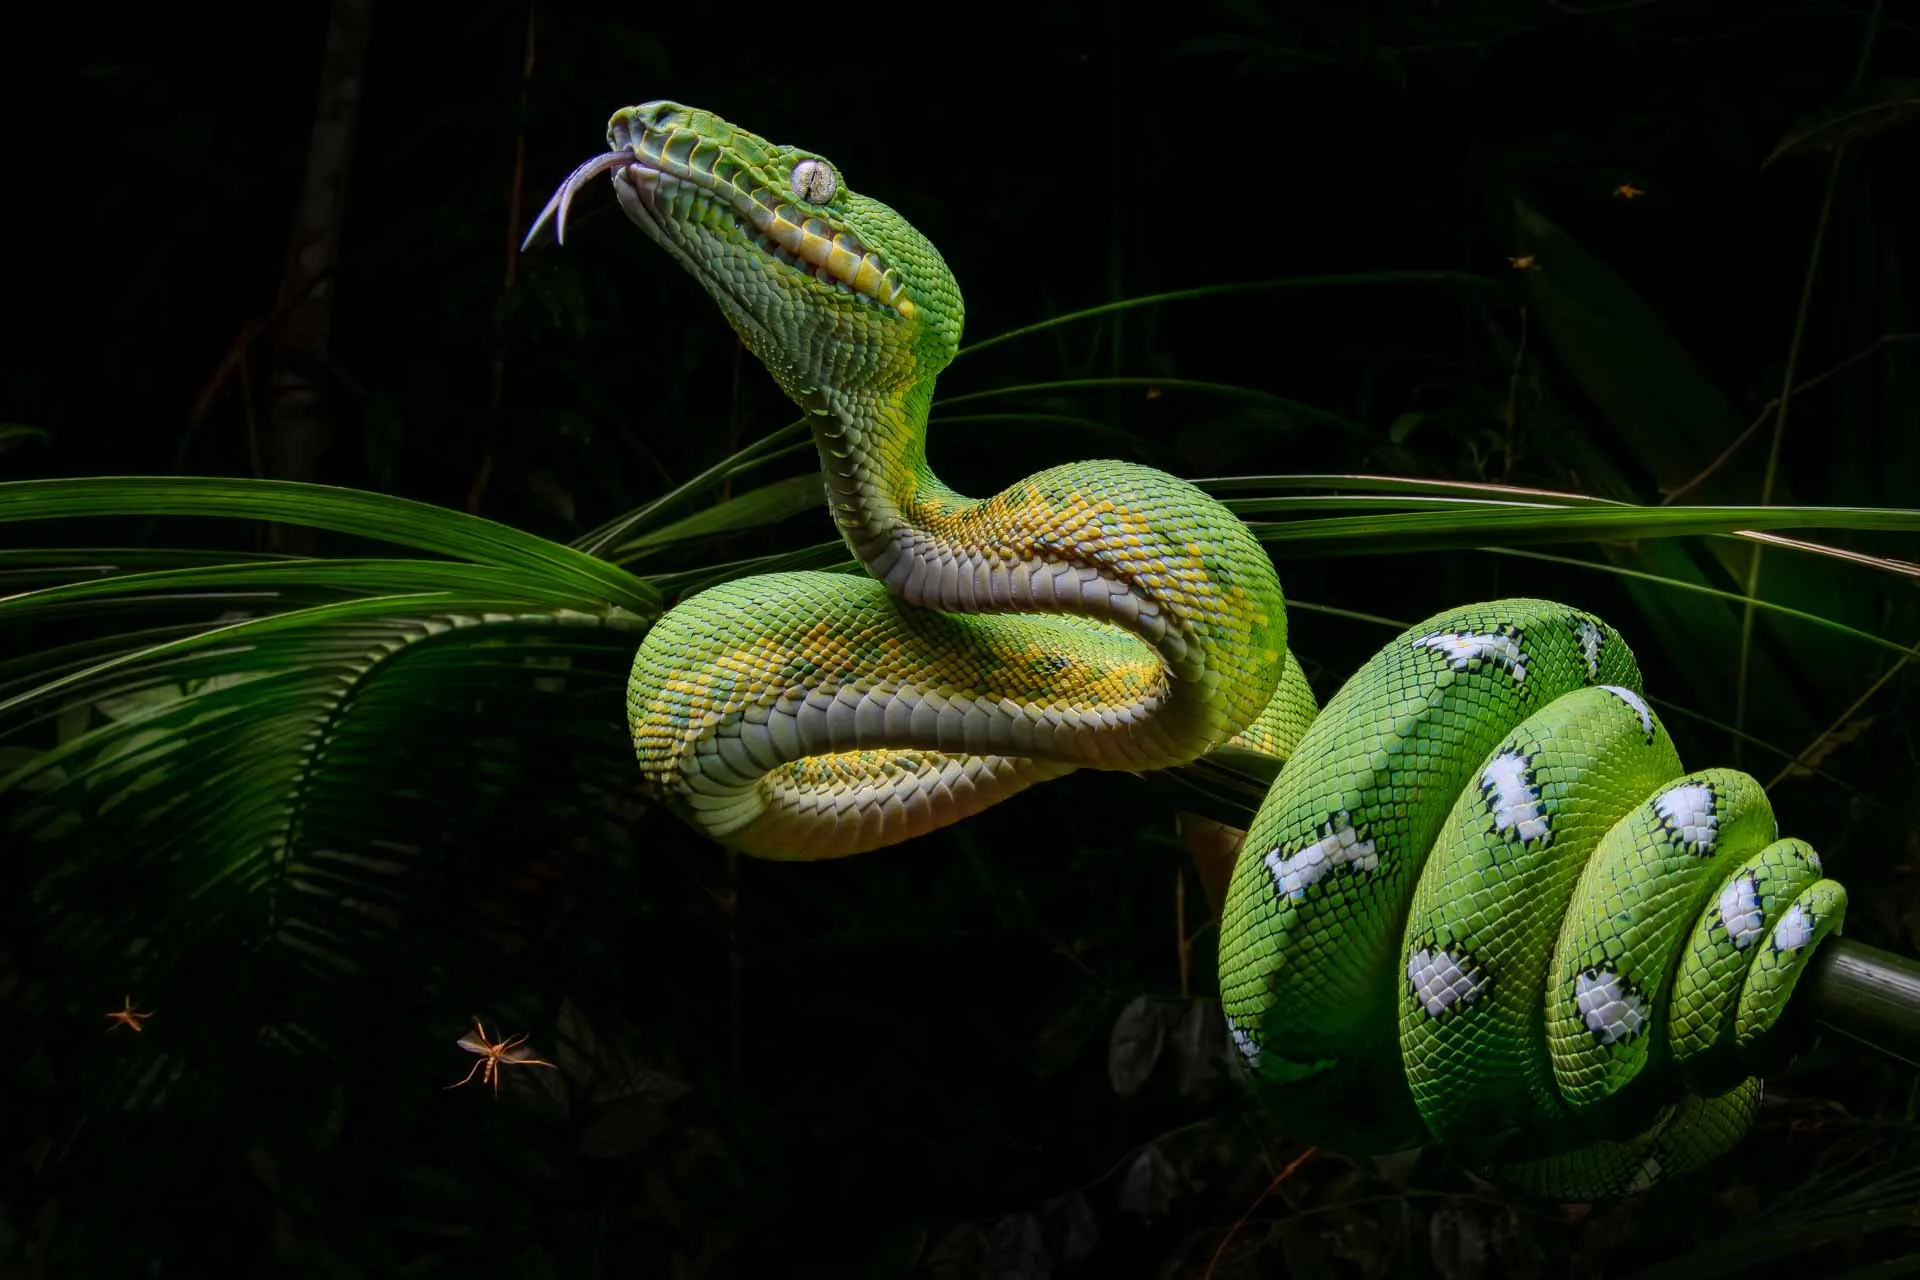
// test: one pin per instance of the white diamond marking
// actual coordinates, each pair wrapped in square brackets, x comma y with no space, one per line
[1462,648]
[1512,798]
[1339,845]
[1611,1012]
[1686,811]
[1740,911]
[1794,931]
[1243,1041]
[1590,640]
[1635,701]
[1440,981]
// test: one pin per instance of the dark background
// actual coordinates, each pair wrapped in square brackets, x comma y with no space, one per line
[910,1067]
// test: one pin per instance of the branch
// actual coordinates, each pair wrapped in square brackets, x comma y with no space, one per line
[1866,994]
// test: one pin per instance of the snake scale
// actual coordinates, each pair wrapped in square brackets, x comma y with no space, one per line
[1482,905]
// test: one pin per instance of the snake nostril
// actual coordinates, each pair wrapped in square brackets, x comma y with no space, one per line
[630,126]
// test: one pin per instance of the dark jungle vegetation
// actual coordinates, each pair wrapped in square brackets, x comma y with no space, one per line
[329,523]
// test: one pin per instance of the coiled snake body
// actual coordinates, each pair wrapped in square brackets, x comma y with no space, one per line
[1482,904]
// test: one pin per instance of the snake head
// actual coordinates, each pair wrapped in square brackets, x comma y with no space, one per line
[828,287]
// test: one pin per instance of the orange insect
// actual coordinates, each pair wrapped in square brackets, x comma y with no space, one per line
[127,1016]
[1627,191]
[1522,263]
[507,1053]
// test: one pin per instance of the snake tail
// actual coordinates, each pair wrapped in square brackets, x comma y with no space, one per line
[1484,905]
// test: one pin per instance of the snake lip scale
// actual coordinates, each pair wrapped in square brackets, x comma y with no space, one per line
[1482,902]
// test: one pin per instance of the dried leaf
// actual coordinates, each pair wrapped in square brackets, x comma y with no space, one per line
[619,1129]
[961,1252]
[1016,1248]
[1457,1244]
[1199,1046]
[1062,1039]
[606,1072]
[1150,1185]
[1139,1033]
[1073,1231]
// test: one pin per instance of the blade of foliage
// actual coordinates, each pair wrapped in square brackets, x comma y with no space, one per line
[1432,531]
[1363,279]
[15,434]
[236,782]
[1681,430]
[371,515]
[789,439]
[829,556]
[1828,1208]
[1295,410]
[766,505]
[1873,110]
[1226,485]
[1731,597]
[1618,348]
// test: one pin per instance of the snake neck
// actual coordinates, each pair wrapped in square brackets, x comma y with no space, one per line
[1084,539]
[873,457]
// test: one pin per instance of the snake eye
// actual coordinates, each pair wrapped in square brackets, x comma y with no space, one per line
[813,181]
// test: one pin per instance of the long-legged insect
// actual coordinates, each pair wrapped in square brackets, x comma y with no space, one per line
[494,1056]
[127,1016]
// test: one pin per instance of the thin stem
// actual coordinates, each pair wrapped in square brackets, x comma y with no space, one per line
[1741,441]
[736,1030]
[1272,1187]
[1513,396]
[510,273]
[1183,942]
[1841,719]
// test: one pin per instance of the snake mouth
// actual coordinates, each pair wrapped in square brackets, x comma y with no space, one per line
[561,201]
[637,188]
[681,201]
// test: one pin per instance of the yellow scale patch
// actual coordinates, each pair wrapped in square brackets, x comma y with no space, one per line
[1036,529]
[758,674]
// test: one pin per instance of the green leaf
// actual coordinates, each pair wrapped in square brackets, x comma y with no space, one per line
[1437,530]
[1292,412]
[401,521]
[15,434]
[753,509]
[1361,279]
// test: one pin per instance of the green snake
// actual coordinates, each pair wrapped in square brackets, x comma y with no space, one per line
[1482,904]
